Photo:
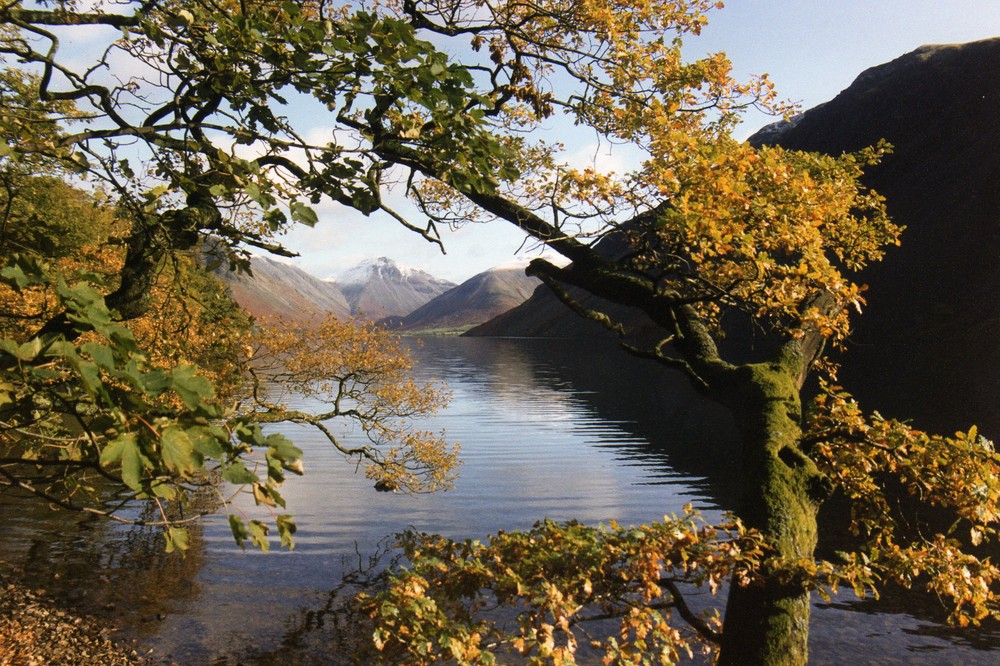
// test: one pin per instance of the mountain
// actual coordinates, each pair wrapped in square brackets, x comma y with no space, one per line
[476,300]
[374,288]
[928,344]
[278,289]
[378,288]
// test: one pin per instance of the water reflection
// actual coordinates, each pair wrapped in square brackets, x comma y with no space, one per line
[117,573]
[669,429]
[548,429]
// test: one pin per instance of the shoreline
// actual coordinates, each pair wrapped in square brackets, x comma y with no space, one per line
[36,631]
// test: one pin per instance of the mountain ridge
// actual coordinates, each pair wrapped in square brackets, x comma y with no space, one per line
[274,288]
[379,288]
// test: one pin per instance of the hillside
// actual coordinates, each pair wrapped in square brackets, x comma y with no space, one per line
[282,290]
[476,300]
[928,344]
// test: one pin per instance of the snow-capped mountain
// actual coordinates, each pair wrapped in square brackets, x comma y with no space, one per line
[377,288]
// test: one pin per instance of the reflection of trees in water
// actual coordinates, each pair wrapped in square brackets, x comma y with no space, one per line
[118,573]
[678,432]
[931,620]
[337,630]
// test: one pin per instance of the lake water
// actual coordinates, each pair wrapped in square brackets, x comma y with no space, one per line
[550,429]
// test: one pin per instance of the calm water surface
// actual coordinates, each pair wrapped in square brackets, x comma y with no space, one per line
[547,428]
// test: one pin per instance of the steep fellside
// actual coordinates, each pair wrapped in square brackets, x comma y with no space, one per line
[379,288]
[277,289]
[928,344]
[476,300]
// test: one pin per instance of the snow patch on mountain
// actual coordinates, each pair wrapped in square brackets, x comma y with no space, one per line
[381,268]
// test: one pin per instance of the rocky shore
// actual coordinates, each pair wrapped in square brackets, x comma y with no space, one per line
[34,631]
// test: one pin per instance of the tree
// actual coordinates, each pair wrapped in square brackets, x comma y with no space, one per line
[98,409]
[440,99]
[136,411]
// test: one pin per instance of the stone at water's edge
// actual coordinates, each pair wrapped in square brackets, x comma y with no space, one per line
[927,347]
[35,631]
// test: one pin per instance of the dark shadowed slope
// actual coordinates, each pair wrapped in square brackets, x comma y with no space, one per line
[928,345]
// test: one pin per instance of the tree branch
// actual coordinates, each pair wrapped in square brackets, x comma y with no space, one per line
[574,305]
[63,18]
[684,610]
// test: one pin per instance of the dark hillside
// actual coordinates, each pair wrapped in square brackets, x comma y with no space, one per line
[928,345]
[476,300]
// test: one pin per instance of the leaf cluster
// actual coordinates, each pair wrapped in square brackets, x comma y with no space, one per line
[352,374]
[535,592]
[923,507]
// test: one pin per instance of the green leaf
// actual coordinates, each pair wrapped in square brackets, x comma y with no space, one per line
[238,474]
[91,377]
[283,448]
[177,538]
[239,529]
[303,214]
[153,382]
[249,433]
[252,191]
[102,355]
[23,271]
[164,491]
[112,453]
[258,535]
[208,441]
[23,352]
[125,448]
[192,389]
[178,451]
[286,528]
[157,192]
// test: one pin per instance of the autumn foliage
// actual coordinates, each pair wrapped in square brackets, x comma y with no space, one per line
[350,370]
[448,103]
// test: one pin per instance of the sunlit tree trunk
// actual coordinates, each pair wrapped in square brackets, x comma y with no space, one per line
[767,622]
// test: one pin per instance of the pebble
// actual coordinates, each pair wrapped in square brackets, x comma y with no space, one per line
[35,632]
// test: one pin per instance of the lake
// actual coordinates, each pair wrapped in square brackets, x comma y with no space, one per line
[552,429]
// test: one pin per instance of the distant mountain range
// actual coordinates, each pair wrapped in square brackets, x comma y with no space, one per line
[403,298]
[928,344]
[476,300]
[371,290]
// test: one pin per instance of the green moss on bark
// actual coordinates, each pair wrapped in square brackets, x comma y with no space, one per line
[767,622]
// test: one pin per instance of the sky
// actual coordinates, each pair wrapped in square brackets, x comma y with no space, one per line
[811,49]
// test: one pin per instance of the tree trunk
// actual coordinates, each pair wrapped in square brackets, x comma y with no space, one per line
[767,622]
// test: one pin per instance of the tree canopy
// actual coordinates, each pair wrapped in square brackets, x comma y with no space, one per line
[189,117]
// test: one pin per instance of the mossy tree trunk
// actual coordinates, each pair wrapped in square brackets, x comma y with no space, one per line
[767,622]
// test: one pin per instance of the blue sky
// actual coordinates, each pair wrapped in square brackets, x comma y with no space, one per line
[812,49]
